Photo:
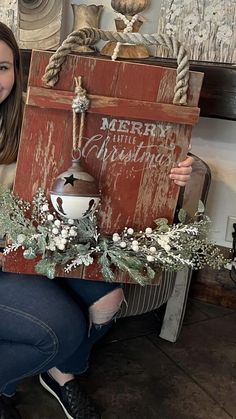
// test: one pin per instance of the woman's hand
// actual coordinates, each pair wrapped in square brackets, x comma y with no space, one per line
[181,174]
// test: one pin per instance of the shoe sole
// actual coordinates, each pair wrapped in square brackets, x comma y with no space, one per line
[55,395]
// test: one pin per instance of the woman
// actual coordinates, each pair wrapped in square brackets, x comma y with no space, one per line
[43,323]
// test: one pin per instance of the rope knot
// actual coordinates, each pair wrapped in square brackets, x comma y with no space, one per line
[81,101]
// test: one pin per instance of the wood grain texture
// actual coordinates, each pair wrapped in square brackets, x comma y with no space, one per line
[218,93]
[123,108]
[129,148]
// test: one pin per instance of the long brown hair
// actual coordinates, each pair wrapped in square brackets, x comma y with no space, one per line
[11,109]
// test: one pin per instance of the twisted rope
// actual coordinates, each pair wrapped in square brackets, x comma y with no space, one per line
[80,104]
[88,36]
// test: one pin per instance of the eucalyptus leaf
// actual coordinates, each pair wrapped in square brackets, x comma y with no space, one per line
[46,267]
[50,273]
[161,221]
[41,241]
[41,229]
[163,228]
[29,253]
[201,207]
[182,214]
[151,273]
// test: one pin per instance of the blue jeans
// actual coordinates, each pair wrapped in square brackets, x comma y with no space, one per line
[44,323]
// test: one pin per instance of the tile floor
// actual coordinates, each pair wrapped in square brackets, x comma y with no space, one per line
[136,375]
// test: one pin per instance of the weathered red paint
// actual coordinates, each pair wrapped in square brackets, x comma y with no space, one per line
[133,136]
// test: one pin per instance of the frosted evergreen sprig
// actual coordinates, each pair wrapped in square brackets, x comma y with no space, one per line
[72,243]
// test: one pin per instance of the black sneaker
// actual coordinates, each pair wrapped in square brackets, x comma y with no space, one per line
[74,401]
[7,411]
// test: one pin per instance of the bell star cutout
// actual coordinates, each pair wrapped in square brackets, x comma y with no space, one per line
[70,180]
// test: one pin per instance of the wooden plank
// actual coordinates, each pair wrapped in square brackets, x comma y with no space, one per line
[103,105]
[218,94]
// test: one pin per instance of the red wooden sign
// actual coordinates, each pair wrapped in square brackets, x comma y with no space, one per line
[133,136]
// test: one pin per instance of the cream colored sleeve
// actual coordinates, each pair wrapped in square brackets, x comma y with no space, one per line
[7,174]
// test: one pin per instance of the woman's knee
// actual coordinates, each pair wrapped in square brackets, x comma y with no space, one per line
[105,309]
[68,329]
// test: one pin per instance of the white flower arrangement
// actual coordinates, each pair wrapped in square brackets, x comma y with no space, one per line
[207,29]
[224,34]
[213,13]
[190,21]
[202,34]
[71,243]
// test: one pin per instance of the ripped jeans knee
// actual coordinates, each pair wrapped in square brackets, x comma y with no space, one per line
[104,310]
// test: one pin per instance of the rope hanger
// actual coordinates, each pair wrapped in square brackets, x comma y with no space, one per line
[80,104]
[89,36]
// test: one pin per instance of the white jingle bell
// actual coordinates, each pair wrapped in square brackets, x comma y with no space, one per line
[75,193]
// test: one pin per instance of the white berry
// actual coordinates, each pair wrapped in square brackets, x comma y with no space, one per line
[60,246]
[21,238]
[72,232]
[115,239]
[45,207]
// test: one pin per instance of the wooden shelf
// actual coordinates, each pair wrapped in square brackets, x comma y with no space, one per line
[218,95]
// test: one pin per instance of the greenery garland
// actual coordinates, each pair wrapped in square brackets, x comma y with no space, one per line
[61,241]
